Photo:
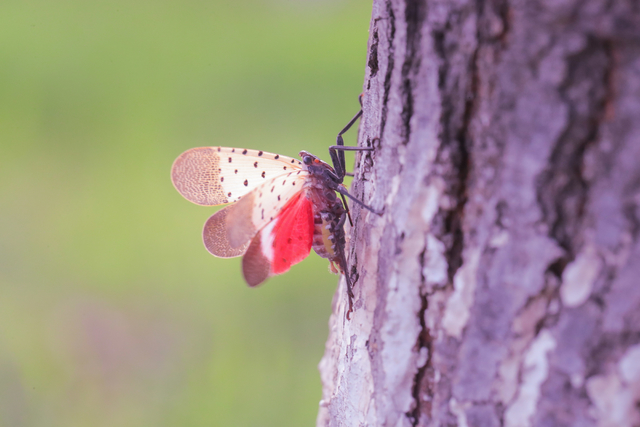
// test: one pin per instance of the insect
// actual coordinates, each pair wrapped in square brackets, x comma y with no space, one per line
[280,208]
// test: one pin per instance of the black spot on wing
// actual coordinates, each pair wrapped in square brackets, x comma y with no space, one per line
[246,182]
[244,152]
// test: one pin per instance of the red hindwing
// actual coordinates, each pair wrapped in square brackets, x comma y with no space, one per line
[292,234]
[282,243]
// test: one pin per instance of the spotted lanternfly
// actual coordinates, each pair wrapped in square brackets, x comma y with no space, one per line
[280,207]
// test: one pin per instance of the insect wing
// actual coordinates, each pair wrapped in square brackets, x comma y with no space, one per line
[228,232]
[212,176]
[284,242]
[261,206]
[214,236]
[292,234]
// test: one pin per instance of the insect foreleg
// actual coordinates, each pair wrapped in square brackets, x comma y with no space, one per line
[349,148]
[337,156]
[337,153]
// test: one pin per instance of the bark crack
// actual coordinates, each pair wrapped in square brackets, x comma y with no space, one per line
[390,65]
[562,189]
[373,55]
[414,17]
[421,388]
[454,149]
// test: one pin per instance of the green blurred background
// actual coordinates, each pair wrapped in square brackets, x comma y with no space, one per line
[112,313]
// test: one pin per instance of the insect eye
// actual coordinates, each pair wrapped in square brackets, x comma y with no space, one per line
[307,160]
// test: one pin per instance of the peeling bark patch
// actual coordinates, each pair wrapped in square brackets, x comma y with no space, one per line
[533,372]
[459,410]
[579,276]
[435,263]
[629,366]
[457,311]
[614,401]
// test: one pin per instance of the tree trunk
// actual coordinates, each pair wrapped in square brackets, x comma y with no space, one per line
[501,287]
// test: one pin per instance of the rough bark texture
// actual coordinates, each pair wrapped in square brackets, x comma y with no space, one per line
[501,287]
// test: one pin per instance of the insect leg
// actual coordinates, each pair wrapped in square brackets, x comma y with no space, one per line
[337,151]
[349,148]
[342,259]
[343,191]
[340,168]
[346,206]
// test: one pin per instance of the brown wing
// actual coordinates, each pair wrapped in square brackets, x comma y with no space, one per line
[214,236]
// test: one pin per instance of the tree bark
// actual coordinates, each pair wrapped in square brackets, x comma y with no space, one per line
[501,287]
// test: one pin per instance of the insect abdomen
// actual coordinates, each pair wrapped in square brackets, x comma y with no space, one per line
[323,239]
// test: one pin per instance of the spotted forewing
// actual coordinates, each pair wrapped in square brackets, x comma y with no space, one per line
[211,176]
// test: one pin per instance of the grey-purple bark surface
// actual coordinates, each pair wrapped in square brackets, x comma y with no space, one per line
[501,287]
